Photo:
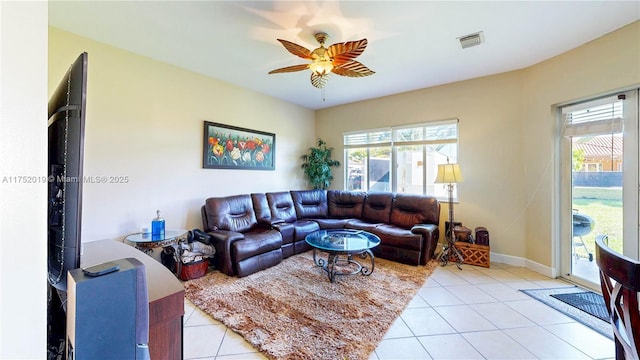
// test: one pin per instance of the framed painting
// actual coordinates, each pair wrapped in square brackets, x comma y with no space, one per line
[232,147]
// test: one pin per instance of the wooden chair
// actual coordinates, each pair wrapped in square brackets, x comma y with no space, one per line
[620,282]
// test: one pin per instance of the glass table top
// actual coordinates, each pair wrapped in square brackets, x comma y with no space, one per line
[342,240]
[169,235]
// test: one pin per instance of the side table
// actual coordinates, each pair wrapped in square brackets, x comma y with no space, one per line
[152,245]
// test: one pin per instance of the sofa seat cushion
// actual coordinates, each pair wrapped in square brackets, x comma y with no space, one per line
[362,225]
[332,223]
[255,243]
[304,228]
[391,235]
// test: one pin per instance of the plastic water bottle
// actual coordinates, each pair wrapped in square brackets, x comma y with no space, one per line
[157,227]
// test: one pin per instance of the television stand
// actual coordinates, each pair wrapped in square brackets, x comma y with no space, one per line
[166,296]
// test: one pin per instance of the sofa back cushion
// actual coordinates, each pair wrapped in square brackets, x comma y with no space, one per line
[377,207]
[410,209]
[261,207]
[281,206]
[345,204]
[310,204]
[232,213]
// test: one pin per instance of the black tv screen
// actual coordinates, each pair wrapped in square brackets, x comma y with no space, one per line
[66,152]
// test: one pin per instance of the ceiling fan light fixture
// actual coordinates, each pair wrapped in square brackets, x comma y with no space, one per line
[321,68]
[470,40]
[338,59]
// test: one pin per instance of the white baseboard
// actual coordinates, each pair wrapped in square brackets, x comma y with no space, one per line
[526,263]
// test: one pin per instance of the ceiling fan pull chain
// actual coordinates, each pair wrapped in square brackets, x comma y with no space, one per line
[322,94]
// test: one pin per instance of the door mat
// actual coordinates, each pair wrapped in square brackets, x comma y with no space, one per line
[587,301]
[550,298]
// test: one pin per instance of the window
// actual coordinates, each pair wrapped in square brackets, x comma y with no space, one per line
[591,167]
[597,193]
[400,159]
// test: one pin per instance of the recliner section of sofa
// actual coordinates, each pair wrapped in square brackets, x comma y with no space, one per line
[343,207]
[283,207]
[376,211]
[243,246]
[407,225]
[411,235]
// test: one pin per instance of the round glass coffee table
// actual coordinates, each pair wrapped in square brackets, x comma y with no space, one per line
[341,246]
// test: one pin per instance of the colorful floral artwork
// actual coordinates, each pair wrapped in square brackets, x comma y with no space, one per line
[230,147]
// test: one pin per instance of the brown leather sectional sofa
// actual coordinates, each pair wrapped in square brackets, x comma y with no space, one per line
[255,231]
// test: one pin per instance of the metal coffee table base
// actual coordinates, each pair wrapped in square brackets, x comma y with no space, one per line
[339,263]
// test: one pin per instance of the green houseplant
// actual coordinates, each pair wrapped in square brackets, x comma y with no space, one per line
[317,164]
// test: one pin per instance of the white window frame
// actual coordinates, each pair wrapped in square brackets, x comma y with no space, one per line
[389,137]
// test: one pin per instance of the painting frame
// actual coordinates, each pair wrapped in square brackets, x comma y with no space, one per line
[232,147]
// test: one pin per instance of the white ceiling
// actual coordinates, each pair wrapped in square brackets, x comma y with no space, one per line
[412,44]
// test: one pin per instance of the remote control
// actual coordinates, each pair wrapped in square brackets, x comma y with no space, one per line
[101,269]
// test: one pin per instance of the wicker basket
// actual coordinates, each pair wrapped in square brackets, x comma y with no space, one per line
[193,270]
[474,254]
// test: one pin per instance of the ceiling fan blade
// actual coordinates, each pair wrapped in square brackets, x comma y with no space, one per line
[296,49]
[319,81]
[352,69]
[343,52]
[290,69]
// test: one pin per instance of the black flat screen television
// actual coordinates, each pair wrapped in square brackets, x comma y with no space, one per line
[67,107]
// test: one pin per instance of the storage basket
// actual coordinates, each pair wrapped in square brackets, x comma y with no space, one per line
[474,254]
[192,270]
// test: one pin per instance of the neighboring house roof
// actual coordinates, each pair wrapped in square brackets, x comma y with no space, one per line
[600,146]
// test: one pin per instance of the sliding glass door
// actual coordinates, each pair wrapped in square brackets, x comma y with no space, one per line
[599,183]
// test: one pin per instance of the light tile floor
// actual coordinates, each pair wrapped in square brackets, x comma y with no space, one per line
[473,313]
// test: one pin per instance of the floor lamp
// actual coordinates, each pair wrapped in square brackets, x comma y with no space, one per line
[450,174]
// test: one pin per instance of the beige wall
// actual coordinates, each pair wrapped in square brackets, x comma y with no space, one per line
[507,137]
[488,110]
[23,205]
[605,65]
[145,121]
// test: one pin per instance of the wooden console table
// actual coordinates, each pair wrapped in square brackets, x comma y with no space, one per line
[166,296]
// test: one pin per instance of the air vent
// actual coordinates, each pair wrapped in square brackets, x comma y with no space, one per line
[470,40]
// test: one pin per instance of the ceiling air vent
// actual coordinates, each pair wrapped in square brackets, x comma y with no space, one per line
[470,40]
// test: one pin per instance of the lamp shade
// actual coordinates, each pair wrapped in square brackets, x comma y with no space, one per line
[449,173]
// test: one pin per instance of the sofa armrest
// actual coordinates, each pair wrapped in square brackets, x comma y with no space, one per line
[222,240]
[270,223]
[286,231]
[430,235]
[424,229]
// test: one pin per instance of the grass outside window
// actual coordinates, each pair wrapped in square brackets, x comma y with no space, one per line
[604,206]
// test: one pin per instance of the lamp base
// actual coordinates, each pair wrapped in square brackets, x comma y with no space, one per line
[449,251]
[448,228]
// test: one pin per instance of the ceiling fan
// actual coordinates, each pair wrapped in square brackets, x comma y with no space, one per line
[337,59]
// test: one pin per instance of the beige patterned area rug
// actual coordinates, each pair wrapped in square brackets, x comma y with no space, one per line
[292,311]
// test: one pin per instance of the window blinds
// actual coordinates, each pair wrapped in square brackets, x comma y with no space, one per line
[440,132]
[602,116]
